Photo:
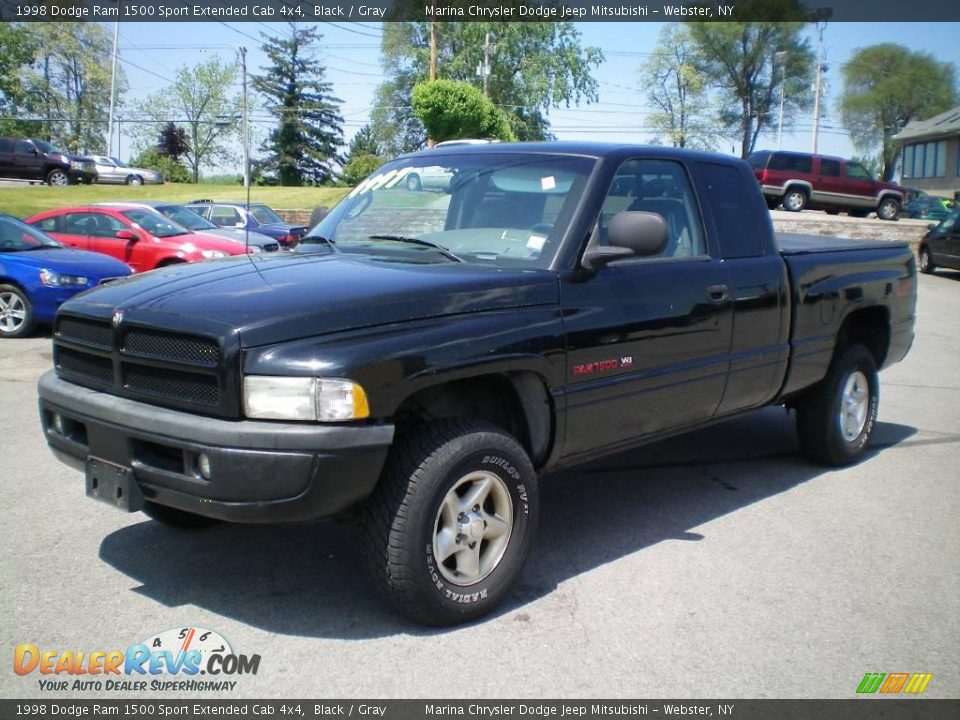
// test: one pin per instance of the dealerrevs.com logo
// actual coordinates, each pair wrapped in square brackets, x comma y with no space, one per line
[173,660]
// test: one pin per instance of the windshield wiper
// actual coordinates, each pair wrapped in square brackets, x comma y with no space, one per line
[417,241]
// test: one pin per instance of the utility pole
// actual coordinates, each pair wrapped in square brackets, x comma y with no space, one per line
[485,70]
[433,56]
[246,137]
[781,57]
[821,15]
[113,80]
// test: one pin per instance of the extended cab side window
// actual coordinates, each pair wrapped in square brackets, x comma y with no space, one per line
[662,187]
[737,221]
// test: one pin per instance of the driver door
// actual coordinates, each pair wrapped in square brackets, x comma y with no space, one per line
[648,339]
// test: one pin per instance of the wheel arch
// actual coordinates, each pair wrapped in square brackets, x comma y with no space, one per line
[517,401]
[870,327]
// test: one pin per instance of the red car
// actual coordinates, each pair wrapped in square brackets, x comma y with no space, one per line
[142,238]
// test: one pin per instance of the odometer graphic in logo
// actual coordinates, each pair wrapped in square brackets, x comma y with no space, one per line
[196,643]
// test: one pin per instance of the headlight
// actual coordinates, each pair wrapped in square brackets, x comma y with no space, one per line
[52,279]
[213,254]
[76,165]
[296,398]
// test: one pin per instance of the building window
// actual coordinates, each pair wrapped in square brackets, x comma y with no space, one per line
[926,160]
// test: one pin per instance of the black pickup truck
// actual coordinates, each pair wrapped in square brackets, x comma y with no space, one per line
[425,356]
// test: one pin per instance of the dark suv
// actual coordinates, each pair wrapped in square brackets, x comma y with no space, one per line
[39,161]
[819,182]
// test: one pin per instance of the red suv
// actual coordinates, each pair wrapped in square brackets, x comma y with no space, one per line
[143,238]
[819,182]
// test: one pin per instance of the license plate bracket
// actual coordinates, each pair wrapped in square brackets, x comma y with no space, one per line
[113,484]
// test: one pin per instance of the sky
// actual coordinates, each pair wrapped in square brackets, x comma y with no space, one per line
[151,52]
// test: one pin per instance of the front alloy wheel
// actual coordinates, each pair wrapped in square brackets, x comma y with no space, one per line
[16,312]
[452,520]
[794,200]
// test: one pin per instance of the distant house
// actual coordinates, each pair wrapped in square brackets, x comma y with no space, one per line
[931,154]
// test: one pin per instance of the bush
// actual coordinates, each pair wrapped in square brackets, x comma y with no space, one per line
[451,110]
[171,169]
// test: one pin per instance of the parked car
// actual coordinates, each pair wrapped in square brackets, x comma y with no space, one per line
[114,172]
[424,365]
[39,161]
[140,237]
[819,182]
[182,215]
[928,207]
[940,247]
[256,217]
[37,275]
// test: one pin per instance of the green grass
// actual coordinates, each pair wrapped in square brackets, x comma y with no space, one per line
[25,200]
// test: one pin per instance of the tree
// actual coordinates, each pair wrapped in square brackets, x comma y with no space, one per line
[173,142]
[740,62]
[18,47]
[70,84]
[304,147]
[533,67]
[363,156]
[678,89]
[452,110]
[200,100]
[885,87]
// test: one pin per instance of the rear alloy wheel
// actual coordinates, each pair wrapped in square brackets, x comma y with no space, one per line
[835,420]
[452,520]
[889,209]
[134,180]
[16,312]
[58,177]
[926,262]
[794,200]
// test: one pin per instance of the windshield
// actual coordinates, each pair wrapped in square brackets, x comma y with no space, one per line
[46,147]
[503,209]
[16,236]
[188,218]
[155,223]
[265,216]
[118,163]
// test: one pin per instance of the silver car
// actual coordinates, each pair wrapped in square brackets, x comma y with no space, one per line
[112,171]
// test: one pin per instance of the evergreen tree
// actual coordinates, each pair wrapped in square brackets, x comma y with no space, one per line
[304,147]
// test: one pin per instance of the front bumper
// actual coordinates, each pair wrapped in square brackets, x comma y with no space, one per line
[82,176]
[259,471]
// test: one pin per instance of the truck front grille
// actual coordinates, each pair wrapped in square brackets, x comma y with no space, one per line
[160,367]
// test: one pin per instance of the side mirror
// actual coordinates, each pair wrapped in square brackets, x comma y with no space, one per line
[128,235]
[632,233]
[318,214]
[931,226]
[240,224]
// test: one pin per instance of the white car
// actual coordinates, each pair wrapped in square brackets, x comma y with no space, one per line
[112,171]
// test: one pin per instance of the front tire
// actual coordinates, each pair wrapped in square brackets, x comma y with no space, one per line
[888,209]
[925,262]
[177,518]
[452,521]
[58,178]
[836,419]
[16,312]
[414,184]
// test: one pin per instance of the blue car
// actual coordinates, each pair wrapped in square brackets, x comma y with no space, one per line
[255,217]
[37,275]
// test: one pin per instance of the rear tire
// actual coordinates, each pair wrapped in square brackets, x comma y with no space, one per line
[177,518]
[452,521]
[134,180]
[836,418]
[925,261]
[794,199]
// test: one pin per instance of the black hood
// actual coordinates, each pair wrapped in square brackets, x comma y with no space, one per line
[270,299]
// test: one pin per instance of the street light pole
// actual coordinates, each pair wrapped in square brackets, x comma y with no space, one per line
[113,80]
[246,137]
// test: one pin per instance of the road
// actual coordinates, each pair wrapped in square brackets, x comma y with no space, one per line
[713,565]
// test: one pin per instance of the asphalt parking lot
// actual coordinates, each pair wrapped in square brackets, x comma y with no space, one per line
[714,565]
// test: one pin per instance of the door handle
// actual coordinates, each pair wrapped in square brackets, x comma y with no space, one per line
[718,294]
